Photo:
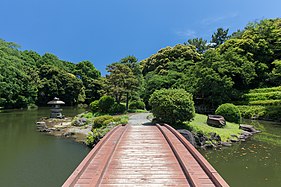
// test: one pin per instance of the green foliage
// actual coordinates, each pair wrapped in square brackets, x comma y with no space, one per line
[230,112]
[87,115]
[219,37]
[94,106]
[99,121]
[261,112]
[117,108]
[265,102]
[89,75]
[159,61]
[265,90]
[121,81]
[172,105]
[137,105]
[27,78]
[56,82]
[105,103]
[199,43]
[96,134]
[263,96]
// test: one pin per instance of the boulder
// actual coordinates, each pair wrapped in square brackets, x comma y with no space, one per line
[216,121]
[80,122]
[188,135]
[248,128]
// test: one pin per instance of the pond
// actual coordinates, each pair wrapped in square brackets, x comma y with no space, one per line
[256,162]
[29,158]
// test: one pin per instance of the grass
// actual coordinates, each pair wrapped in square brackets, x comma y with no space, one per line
[199,124]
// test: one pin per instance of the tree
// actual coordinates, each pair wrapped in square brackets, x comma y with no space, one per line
[87,72]
[160,61]
[219,37]
[58,83]
[199,43]
[121,81]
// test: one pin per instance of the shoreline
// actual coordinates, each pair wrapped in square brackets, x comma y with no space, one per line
[64,128]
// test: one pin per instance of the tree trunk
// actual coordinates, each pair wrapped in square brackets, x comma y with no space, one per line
[127,100]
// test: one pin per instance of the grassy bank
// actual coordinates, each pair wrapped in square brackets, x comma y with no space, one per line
[199,124]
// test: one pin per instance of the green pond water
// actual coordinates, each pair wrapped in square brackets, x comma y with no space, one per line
[255,163]
[30,158]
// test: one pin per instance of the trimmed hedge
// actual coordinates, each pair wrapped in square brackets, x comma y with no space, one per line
[263,96]
[94,106]
[266,90]
[105,104]
[137,105]
[172,106]
[117,108]
[261,112]
[100,121]
[265,102]
[230,112]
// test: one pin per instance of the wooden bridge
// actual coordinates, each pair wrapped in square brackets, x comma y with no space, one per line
[146,155]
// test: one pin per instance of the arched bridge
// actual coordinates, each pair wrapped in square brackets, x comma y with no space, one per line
[147,155]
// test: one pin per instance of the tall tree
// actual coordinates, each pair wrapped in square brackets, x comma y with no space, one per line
[199,43]
[219,37]
[87,72]
[121,81]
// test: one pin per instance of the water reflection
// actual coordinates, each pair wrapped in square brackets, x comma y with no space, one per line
[252,163]
[29,158]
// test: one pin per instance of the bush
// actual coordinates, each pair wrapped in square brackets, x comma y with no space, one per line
[136,105]
[105,104]
[261,112]
[94,106]
[99,121]
[230,112]
[172,105]
[117,108]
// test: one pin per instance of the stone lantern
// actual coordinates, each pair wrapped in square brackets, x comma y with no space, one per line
[56,110]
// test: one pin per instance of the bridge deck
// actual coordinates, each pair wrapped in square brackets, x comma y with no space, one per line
[150,155]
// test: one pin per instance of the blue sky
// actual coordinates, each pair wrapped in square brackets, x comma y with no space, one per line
[107,30]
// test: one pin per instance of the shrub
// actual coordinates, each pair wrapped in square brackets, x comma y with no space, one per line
[105,104]
[172,105]
[94,106]
[99,121]
[117,108]
[230,112]
[136,105]
[265,102]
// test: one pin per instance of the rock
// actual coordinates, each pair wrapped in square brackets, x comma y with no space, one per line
[40,123]
[234,140]
[200,139]
[214,136]
[208,146]
[248,128]
[242,137]
[188,135]
[234,135]
[246,133]
[68,134]
[80,122]
[44,130]
[226,144]
[216,121]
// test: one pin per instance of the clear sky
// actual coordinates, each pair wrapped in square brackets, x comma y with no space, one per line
[105,31]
